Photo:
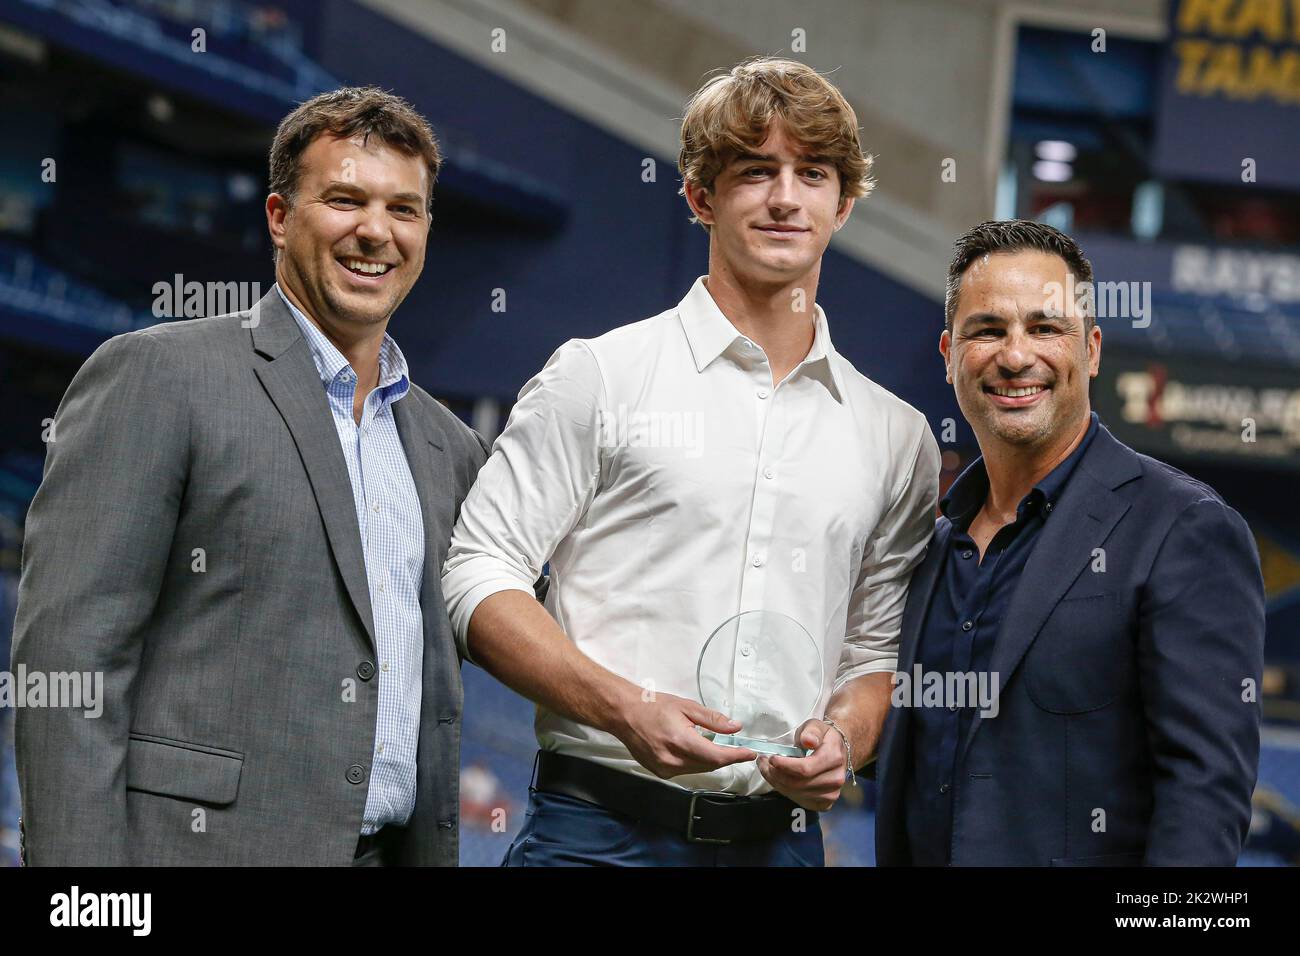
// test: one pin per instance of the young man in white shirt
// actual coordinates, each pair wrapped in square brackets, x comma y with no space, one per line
[720,457]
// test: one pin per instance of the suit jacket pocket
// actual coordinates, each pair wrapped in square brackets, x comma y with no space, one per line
[1074,665]
[172,768]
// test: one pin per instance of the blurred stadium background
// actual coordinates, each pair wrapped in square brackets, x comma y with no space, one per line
[1166,143]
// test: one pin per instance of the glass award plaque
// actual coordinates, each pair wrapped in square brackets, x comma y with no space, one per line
[763,669]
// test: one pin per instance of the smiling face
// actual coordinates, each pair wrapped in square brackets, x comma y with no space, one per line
[352,242]
[1020,373]
[772,212]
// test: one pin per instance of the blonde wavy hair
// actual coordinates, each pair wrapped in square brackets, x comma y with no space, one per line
[732,113]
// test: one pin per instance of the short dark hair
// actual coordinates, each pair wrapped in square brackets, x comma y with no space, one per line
[1011,235]
[348,112]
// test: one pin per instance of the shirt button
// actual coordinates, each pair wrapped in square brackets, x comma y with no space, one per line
[762,393]
[944,788]
[966,625]
[374,506]
[967,554]
[757,561]
[769,473]
[380,748]
[746,650]
[385,667]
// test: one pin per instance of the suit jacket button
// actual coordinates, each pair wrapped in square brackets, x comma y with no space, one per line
[366,670]
[356,773]
[445,824]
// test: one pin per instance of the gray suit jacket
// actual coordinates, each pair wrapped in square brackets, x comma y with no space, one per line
[239,691]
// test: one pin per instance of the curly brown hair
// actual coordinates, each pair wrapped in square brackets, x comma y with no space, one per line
[733,112]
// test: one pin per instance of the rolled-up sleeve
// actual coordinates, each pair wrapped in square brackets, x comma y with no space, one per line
[893,551]
[535,487]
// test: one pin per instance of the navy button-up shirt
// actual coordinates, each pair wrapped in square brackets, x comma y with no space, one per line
[970,599]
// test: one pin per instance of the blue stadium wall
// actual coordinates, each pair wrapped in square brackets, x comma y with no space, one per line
[533,200]
[625,250]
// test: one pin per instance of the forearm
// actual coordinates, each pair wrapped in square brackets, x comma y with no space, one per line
[859,708]
[515,640]
[860,705]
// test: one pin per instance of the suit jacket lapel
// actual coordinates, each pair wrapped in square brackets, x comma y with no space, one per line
[423,444]
[293,383]
[1086,513]
[919,592]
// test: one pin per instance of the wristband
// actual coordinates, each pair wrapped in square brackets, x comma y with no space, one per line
[848,749]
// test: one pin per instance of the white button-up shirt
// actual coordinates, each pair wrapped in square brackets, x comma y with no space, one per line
[671,484]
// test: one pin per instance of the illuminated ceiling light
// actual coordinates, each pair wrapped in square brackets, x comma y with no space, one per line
[1052,172]
[1056,150]
[241,187]
[160,108]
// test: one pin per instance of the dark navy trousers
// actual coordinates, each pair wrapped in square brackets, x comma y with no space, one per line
[562,831]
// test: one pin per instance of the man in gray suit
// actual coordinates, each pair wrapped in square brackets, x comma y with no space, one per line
[241,526]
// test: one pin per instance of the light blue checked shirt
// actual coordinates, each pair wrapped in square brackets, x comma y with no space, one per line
[392,540]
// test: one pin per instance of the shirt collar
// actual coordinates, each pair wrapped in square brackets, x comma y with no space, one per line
[968,492]
[710,334]
[394,376]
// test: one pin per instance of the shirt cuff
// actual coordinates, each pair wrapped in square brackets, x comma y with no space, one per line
[883,665]
[465,606]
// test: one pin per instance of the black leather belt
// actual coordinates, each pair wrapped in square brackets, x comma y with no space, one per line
[700,816]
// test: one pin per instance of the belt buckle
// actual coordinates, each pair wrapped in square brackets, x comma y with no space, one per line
[691,818]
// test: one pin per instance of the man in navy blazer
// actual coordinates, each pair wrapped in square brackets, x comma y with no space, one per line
[1083,641]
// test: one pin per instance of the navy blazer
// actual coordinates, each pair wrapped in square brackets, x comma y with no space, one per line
[1128,723]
